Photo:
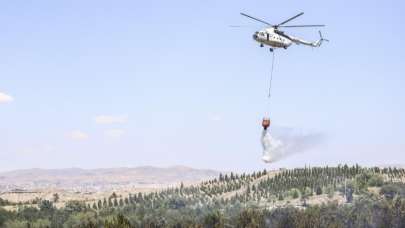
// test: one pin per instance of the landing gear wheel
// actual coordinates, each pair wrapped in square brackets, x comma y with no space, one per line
[271,49]
[261,45]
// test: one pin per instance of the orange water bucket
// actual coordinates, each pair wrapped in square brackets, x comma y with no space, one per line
[266,123]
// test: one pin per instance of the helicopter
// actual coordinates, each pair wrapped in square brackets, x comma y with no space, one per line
[276,38]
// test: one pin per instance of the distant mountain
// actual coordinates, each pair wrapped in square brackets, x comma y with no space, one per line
[101,179]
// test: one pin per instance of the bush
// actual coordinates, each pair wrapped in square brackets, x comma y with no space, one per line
[330,191]
[75,206]
[214,219]
[376,181]
[46,206]
[361,181]
[390,191]
[251,218]
[117,222]
[295,194]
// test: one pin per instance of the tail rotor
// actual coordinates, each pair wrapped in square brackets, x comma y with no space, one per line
[321,39]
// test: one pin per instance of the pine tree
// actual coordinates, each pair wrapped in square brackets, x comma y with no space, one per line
[318,190]
[99,204]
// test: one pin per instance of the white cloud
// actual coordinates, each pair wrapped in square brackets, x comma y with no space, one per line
[108,119]
[114,133]
[78,135]
[4,98]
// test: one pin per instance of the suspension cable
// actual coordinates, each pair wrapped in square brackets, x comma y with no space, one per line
[271,73]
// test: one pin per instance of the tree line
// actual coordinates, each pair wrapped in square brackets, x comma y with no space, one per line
[238,200]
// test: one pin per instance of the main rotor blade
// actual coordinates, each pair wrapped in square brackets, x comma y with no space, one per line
[292,18]
[240,26]
[256,19]
[297,26]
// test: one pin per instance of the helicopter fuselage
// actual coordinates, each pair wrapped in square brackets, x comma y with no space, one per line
[269,37]
[275,38]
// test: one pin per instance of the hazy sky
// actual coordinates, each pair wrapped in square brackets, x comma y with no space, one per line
[128,83]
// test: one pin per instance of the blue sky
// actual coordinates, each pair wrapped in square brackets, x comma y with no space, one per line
[173,84]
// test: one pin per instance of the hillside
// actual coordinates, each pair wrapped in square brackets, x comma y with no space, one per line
[284,198]
[101,179]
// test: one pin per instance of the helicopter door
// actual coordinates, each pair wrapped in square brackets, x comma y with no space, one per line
[268,36]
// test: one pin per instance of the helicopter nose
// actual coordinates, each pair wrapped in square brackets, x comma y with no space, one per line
[255,36]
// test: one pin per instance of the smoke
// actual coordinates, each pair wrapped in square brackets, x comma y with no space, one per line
[287,143]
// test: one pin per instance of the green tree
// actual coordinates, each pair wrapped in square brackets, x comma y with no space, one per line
[330,191]
[318,190]
[295,194]
[83,220]
[118,221]
[376,180]
[390,191]
[46,207]
[75,206]
[214,220]
[55,197]
[251,218]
